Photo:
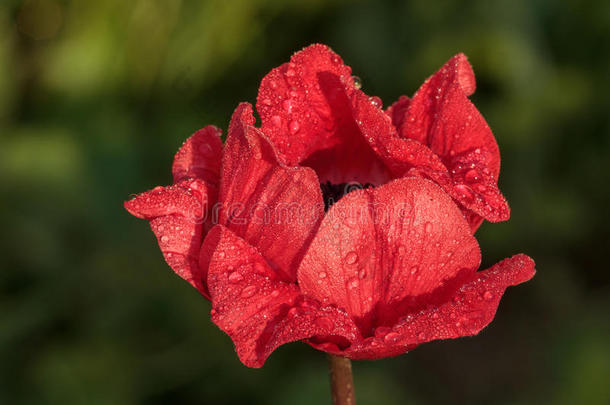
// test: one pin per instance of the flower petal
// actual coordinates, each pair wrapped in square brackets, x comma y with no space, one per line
[295,102]
[465,313]
[199,157]
[379,251]
[178,217]
[441,116]
[256,309]
[275,208]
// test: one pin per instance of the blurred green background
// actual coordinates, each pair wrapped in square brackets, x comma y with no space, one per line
[95,98]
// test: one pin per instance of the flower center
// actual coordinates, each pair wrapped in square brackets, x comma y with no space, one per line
[331,193]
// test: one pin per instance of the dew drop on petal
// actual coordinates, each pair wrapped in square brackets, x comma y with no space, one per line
[376,101]
[276,120]
[324,322]
[391,337]
[357,82]
[353,283]
[322,274]
[248,291]
[414,269]
[351,257]
[421,336]
[287,105]
[294,127]
[464,191]
[164,238]
[472,176]
[428,227]
[487,295]
[235,277]
[275,293]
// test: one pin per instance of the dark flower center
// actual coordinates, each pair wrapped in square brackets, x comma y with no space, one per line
[331,193]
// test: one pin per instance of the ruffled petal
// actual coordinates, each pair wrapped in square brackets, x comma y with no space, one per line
[379,252]
[464,313]
[258,310]
[178,215]
[274,207]
[305,110]
[441,117]
[199,157]
[295,102]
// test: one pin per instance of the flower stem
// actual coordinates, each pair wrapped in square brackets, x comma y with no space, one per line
[341,380]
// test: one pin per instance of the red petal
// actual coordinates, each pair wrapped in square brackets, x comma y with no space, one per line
[379,251]
[441,117]
[177,216]
[465,313]
[295,102]
[199,157]
[274,207]
[398,154]
[258,311]
[398,110]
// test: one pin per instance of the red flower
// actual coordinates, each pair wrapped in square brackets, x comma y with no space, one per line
[339,224]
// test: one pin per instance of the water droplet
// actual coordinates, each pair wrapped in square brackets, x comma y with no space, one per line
[260,268]
[275,293]
[362,274]
[351,257]
[414,269]
[382,331]
[235,277]
[290,72]
[401,250]
[248,292]
[294,127]
[287,105]
[266,101]
[357,82]
[391,337]
[435,315]
[322,274]
[294,311]
[376,101]
[276,120]
[324,322]
[221,255]
[487,295]
[421,336]
[428,227]
[456,299]
[472,176]
[164,238]
[464,191]
[353,283]
[480,188]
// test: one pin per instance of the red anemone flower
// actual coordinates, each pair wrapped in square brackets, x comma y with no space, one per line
[338,223]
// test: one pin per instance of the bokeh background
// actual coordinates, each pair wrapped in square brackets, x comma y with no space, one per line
[95,98]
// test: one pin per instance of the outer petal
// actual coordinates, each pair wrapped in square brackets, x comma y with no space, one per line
[274,207]
[199,157]
[470,182]
[398,110]
[305,110]
[465,313]
[380,252]
[295,102]
[257,310]
[177,216]
[441,116]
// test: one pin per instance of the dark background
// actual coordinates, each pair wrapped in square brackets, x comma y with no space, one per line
[96,97]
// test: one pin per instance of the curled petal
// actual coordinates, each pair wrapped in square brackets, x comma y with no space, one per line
[470,309]
[274,207]
[258,310]
[441,117]
[295,102]
[380,252]
[178,216]
[199,157]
